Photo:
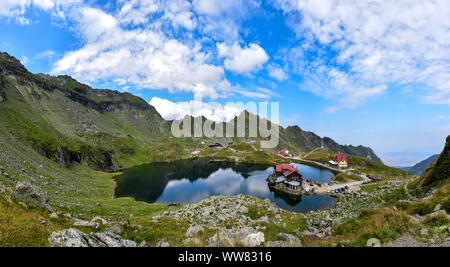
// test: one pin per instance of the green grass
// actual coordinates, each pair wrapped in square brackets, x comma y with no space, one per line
[142,229]
[383,224]
[426,206]
[167,152]
[344,177]
[437,221]
[20,227]
[242,147]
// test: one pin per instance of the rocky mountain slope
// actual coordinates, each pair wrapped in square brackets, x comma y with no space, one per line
[308,141]
[438,173]
[420,167]
[71,123]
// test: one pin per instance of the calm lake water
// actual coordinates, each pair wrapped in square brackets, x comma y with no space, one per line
[190,181]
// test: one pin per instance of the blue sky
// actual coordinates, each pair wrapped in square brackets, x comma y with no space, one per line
[371,73]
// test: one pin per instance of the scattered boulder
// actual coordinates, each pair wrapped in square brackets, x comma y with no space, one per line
[75,238]
[446,243]
[33,194]
[194,230]
[164,243]
[265,219]
[405,241]
[192,240]
[231,237]
[373,242]
[243,210]
[82,223]
[254,240]
[291,240]
[99,220]
[424,231]
[437,208]
[114,229]
[277,244]
[54,216]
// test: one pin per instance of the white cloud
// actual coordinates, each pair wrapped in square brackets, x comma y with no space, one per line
[222,19]
[212,111]
[277,73]
[399,42]
[144,57]
[46,54]
[242,60]
[17,8]
[24,60]
[22,21]
[12,8]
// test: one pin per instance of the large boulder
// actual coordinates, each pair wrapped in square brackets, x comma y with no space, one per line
[194,230]
[246,236]
[164,243]
[254,240]
[406,240]
[75,238]
[33,194]
[291,240]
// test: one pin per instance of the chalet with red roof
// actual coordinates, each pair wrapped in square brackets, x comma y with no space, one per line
[340,160]
[286,176]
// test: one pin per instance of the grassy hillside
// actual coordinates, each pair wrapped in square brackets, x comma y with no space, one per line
[363,165]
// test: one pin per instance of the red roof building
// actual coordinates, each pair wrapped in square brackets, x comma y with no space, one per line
[340,158]
[288,171]
[283,152]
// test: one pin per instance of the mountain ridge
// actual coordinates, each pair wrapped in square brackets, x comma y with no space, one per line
[419,168]
[69,122]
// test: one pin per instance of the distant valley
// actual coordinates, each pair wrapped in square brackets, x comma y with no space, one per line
[419,168]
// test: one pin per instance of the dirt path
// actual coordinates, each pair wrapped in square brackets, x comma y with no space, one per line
[323,165]
[405,186]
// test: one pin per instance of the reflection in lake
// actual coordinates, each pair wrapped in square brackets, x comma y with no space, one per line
[190,181]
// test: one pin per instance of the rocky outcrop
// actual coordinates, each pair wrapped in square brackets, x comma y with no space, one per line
[246,236]
[194,230]
[163,243]
[440,170]
[405,241]
[290,240]
[31,193]
[218,211]
[75,238]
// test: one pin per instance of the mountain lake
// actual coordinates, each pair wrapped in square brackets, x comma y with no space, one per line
[190,181]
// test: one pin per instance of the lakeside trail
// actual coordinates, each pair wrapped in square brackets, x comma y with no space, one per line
[323,165]
[354,186]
